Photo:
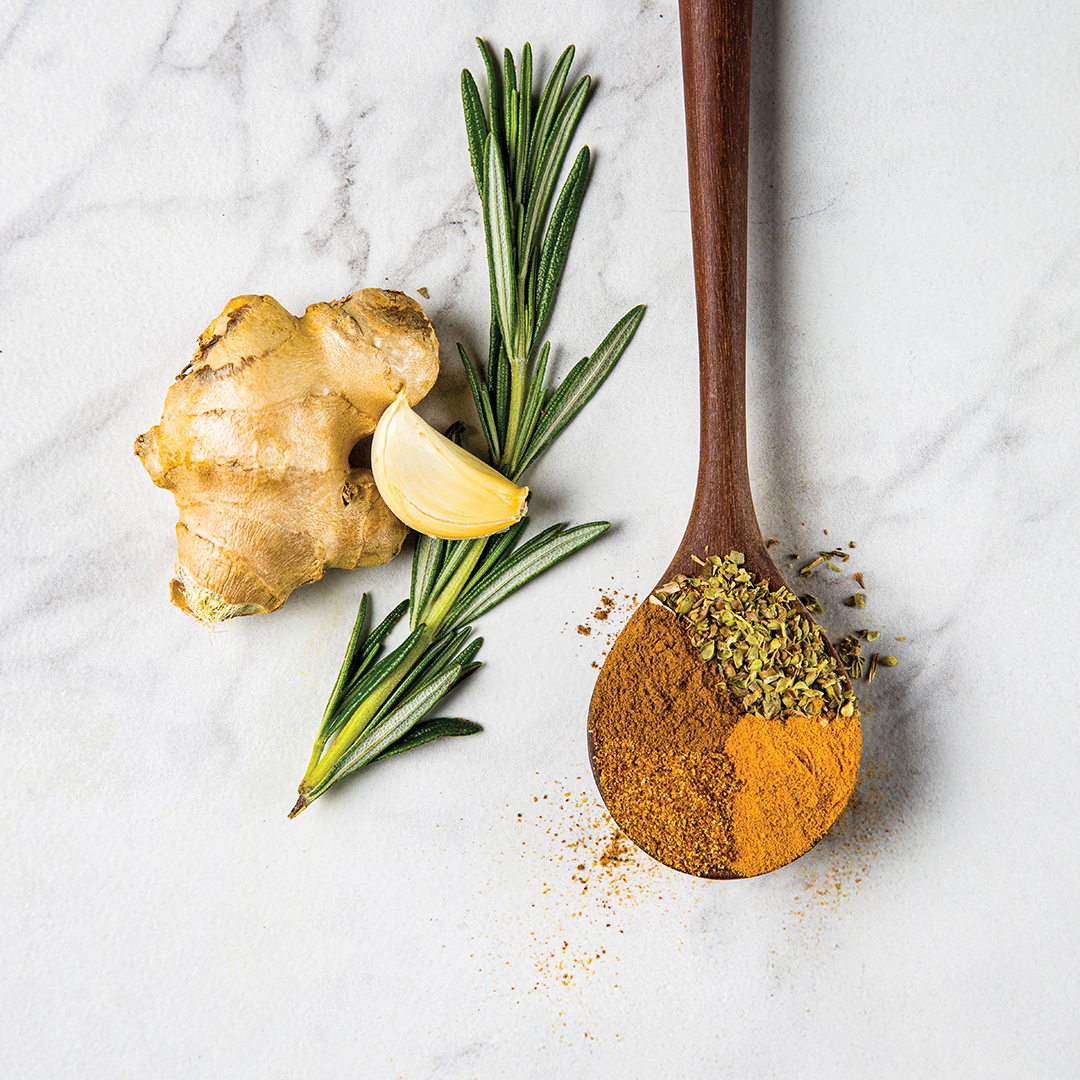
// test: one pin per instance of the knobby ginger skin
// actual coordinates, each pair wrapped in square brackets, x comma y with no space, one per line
[255,439]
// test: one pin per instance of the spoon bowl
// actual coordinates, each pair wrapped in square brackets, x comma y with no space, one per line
[716,75]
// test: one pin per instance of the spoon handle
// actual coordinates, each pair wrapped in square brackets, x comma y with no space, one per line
[716,77]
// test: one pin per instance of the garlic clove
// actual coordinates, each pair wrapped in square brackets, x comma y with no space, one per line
[433,485]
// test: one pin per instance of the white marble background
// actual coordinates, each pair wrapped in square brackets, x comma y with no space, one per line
[913,371]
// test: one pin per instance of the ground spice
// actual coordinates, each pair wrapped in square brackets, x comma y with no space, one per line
[694,779]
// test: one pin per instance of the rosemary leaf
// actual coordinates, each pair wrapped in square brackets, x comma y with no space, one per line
[436,728]
[510,117]
[483,406]
[557,239]
[525,121]
[379,674]
[457,551]
[502,392]
[580,385]
[476,127]
[546,112]
[499,545]
[502,583]
[533,403]
[376,638]
[551,161]
[433,662]
[427,560]
[500,238]
[495,118]
[356,640]
[513,141]
[527,548]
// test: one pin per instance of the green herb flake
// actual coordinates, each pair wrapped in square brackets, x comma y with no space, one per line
[772,658]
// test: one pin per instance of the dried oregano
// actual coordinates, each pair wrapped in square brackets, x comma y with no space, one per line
[850,652]
[773,658]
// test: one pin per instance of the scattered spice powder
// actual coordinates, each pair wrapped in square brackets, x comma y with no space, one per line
[695,779]
[603,623]
[616,853]
[604,608]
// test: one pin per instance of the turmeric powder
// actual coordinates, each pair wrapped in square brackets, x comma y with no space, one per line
[696,780]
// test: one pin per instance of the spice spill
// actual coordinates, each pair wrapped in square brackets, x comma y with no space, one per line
[587,884]
[612,609]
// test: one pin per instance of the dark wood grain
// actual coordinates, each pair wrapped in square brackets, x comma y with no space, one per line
[716,77]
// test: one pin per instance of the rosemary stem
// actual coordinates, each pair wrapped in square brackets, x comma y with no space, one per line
[317,781]
[439,606]
[518,368]
[316,753]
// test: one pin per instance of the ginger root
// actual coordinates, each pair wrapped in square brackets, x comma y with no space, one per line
[255,441]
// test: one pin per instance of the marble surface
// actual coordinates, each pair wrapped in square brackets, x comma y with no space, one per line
[913,379]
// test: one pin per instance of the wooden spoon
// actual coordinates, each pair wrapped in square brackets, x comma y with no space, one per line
[716,75]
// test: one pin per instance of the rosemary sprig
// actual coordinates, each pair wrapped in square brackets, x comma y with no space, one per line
[518,148]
